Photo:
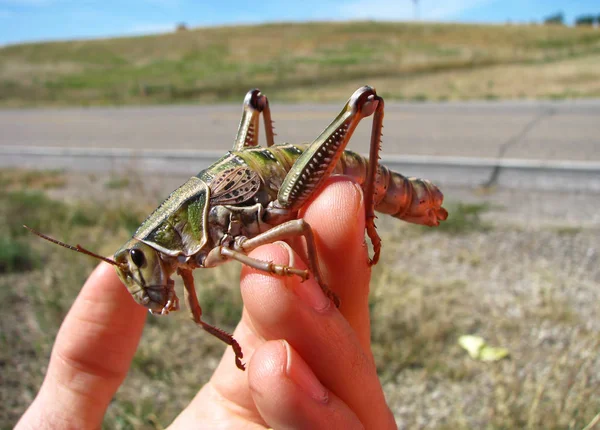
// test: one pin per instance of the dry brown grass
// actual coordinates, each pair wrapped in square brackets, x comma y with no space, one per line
[531,291]
[567,79]
[314,61]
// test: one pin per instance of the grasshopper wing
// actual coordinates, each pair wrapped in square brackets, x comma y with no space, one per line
[234,185]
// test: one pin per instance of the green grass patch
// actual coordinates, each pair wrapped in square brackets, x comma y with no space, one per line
[568,230]
[117,183]
[31,208]
[465,218]
[16,255]
[221,304]
[122,217]
[19,179]
[419,98]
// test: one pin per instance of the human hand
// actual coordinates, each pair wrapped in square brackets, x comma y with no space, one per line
[309,364]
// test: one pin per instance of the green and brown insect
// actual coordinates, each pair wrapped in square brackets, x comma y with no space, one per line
[252,196]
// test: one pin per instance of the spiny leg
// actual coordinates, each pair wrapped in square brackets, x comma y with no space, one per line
[255,103]
[265,266]
[371,182]
[269,133]
[288,230]
[196,313]
[316,164]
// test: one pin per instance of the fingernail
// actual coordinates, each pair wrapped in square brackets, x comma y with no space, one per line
[288,248]
[309,292]
[360,194]
[302,375]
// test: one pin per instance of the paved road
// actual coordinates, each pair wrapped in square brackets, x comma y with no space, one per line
[528,130]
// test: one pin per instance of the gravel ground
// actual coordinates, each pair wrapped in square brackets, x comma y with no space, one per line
[534,292]
[533,209]
[530,282]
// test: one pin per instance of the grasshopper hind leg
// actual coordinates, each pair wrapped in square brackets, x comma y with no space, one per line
[370,193]
[255,103]
[316,164]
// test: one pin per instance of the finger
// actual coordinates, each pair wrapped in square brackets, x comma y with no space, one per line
[337,217]
[285,308]
[226,397]
[91,355]
[289,395]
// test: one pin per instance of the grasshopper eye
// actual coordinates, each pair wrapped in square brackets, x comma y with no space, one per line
[138,257]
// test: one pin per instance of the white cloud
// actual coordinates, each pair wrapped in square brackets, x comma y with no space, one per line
[403,10]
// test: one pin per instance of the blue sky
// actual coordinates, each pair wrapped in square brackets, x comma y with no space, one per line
[33,20]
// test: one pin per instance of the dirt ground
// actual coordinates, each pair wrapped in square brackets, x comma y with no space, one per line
[522,270]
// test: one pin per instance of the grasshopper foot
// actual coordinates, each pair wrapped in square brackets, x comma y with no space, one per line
[282,270]
[333,297]
[172,304]
[330,294]
[264,266]
[238,354]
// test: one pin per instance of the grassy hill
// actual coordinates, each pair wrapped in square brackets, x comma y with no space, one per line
[307,62]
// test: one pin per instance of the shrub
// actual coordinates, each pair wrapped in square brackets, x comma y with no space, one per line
[584,20]
[556,19]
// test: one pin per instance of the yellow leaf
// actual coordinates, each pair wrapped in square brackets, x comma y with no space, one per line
[479,350]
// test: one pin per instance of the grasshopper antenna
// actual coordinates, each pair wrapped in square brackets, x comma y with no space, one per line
[76,248]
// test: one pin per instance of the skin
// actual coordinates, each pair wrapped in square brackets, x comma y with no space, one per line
[309,364]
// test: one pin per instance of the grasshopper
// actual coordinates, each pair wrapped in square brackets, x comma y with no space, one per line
[252,196]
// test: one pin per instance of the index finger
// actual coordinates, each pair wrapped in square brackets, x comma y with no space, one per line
[337,217]
[91,355]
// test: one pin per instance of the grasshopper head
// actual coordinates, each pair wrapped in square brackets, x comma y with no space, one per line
[146,276]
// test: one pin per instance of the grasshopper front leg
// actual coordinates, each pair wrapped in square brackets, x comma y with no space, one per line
[288,230]
[316,164]
[196,313]
[255,103]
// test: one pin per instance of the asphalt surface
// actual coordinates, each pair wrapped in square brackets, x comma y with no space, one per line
[516,145]
[521,130]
